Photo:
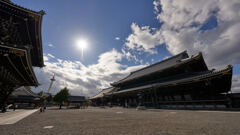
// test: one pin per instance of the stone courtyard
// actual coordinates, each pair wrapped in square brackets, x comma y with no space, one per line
[120,121]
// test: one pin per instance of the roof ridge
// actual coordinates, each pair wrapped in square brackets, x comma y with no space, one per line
[153,65]
[41,12]
[160,62]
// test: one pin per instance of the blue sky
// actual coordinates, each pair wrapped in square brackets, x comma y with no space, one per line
[97,21]
[124,36]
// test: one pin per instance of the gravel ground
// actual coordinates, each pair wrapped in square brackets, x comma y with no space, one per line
[119,121]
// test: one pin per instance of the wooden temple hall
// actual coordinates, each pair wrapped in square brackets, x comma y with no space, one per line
[179,81]
[20,48]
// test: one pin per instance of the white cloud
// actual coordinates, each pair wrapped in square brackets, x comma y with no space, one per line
[129,56]
[50,56]
[181,29]
[143,39]
[50,45]
[152,60]
[182,21]
[236,83]
[117,38]
[45,58]
[81,79]
[184,13]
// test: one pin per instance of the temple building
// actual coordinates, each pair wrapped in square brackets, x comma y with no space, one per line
[24,98]
[179,81]
[20,47]
[100,99]
[76,102]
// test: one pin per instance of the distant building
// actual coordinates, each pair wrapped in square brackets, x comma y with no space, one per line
[24,97]
[100,99]
[77,101]
[179,81]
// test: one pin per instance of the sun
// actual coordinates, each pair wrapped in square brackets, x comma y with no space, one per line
[82,44]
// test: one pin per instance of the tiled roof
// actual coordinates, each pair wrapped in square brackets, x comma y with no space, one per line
[155,67]
[21,8]
[103,92]
[76,98]
[29,24]
[23,91]
[189,79]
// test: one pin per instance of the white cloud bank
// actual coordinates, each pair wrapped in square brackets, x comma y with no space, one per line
[182,21]
[81,79]
[143,39]
[182,29]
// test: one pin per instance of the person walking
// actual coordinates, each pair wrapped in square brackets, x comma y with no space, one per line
[41,109]
[14,106]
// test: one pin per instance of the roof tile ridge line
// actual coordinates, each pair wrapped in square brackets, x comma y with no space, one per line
[107,88]
[161,61]
[101,92]
[194,57]
[222,69]
[41,12]
[206,74]
[10,47]
[152,65]
[23,88]
[30,91]
[181,62]
[97,93]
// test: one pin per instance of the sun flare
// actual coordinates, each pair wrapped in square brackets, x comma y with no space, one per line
[82,44]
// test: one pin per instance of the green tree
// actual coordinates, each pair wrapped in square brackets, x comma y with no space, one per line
[40,93]
[61,96]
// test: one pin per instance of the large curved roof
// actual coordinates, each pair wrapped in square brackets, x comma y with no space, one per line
[15,67]
[103,92]
[24,29]
[23,91]
[194,78]
[155,67]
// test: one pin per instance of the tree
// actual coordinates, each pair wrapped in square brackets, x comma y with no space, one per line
[61,96]
[40,93]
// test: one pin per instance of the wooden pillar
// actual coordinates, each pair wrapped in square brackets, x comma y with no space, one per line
[155,98]
[5,92]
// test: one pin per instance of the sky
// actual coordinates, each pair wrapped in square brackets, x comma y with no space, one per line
[123,36]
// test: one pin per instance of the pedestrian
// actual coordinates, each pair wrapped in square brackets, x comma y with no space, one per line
[41,109]
[14,106]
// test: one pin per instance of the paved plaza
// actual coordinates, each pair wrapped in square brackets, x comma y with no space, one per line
[119,121]
[12,117]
